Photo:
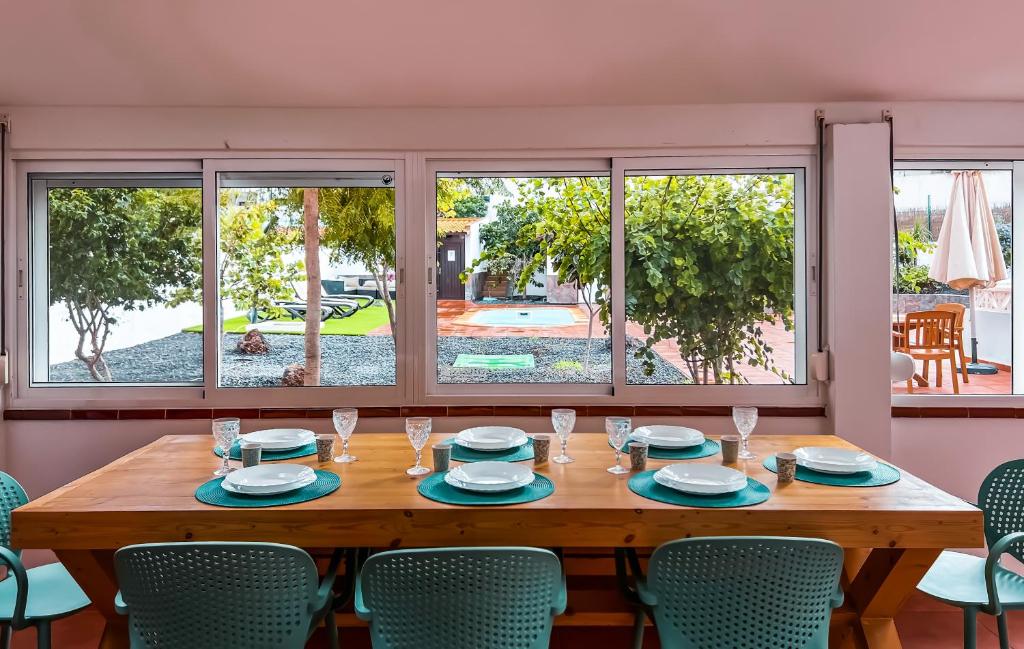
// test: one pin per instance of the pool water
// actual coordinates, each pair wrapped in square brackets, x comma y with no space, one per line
[515,317]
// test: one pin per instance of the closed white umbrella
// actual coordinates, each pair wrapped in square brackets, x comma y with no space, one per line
[967,253]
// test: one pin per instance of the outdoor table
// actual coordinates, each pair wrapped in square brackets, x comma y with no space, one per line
[892,534]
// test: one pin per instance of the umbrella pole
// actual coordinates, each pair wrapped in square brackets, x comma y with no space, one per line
[974,367]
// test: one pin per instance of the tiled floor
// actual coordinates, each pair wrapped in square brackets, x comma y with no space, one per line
[998,383]
[924,624]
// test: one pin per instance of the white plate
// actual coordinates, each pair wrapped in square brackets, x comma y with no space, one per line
[834,460]
[705,479]
[668,436]
[489,476]
[280,439]
[269,478]
[491,438]
[284,489]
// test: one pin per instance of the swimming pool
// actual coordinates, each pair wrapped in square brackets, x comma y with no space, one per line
[516,317]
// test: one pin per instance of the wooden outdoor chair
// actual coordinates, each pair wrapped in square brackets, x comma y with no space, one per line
[929,337]
[958,333]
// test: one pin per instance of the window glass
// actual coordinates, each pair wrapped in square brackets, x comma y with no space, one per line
[116,280]
[523,276]
[955,233]
[710,279]
[288,241]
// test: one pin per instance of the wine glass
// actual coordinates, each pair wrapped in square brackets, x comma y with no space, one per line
[745,419]
[418,430]
[345,422]
[563,420]
[618,429]
[225,432]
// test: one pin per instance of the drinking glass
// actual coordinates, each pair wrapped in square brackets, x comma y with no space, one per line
[418,430]
[618,429]
[225,432]
[745,419]
[345,422]
[563,420]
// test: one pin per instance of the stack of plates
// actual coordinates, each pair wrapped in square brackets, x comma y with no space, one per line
[701,479]
[840,461]
[268,479]
[489,476]
[668,436]
[491,438]
[280,439]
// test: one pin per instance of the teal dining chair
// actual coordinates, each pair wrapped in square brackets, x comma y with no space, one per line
[758,592]
[224,595]
[461,598]
[982,584]
[37,596]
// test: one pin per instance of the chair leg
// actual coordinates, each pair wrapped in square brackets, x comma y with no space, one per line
[638,629]
[938,373]
[970,628]
[910,386]
[1004,633]
[43,635]
[5,636]
[924,369]
[332,629]
[963,363]
[952,368]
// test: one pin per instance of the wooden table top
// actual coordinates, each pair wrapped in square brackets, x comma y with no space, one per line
[147,496]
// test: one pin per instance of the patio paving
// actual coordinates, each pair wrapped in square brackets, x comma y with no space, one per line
[999,383]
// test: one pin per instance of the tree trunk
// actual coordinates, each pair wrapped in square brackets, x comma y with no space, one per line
[590,329]
[311,242]
[381,279]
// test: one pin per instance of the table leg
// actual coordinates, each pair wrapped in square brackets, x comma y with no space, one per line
[94,572]
[881,587]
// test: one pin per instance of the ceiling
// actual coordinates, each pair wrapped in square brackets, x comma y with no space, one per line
[401,53]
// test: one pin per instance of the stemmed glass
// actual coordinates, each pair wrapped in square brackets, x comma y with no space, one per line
[563,420]
[618,429]
[418,430]
[345,422]
[225,432]
[745,419]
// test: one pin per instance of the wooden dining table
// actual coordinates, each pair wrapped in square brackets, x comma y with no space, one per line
[891,534]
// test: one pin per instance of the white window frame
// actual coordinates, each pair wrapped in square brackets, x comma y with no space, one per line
[809,393]
[971,160]
[311,396]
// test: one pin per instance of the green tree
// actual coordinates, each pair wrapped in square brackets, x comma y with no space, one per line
[253,272]
[473,205]
[120,249]
[508,243]
[359,225]
[708,259]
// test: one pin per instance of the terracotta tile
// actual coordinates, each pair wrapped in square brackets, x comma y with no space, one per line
[282,413]
[517,411]
[142,413]
[581,411]
[424,411]
[993,413]
[904,411]
[36,415]
[656,411]
[943,413]
[319,413]
[381,411]
[94,415]
[610,411]
[190,413]
[921,630]
[706,411]
[470,411]
[241,413]
[791,411]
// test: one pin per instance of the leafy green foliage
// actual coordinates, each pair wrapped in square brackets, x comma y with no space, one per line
[253,242]
[508,243]
[120,248]
[708,259]
[1005,233]
[472,205]
[913,277]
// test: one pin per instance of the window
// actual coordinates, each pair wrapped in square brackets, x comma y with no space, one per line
[713,287]
[287,241]
[116,279]
[523,276]
[941,208]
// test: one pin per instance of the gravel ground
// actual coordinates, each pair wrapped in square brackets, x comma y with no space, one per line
[360,360]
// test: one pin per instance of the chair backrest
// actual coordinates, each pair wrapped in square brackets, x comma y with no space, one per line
[751,592]
[12,496]
[1001,497]
[461,598]
[225,595]
[930,330]
[955,308]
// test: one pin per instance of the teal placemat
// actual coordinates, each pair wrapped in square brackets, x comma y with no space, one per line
[882,474]
[270,456]
[643,484]
[707,449]
[435,488]
[211,493]
[463,454]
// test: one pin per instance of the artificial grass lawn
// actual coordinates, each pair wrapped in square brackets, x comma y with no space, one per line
[359,323]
